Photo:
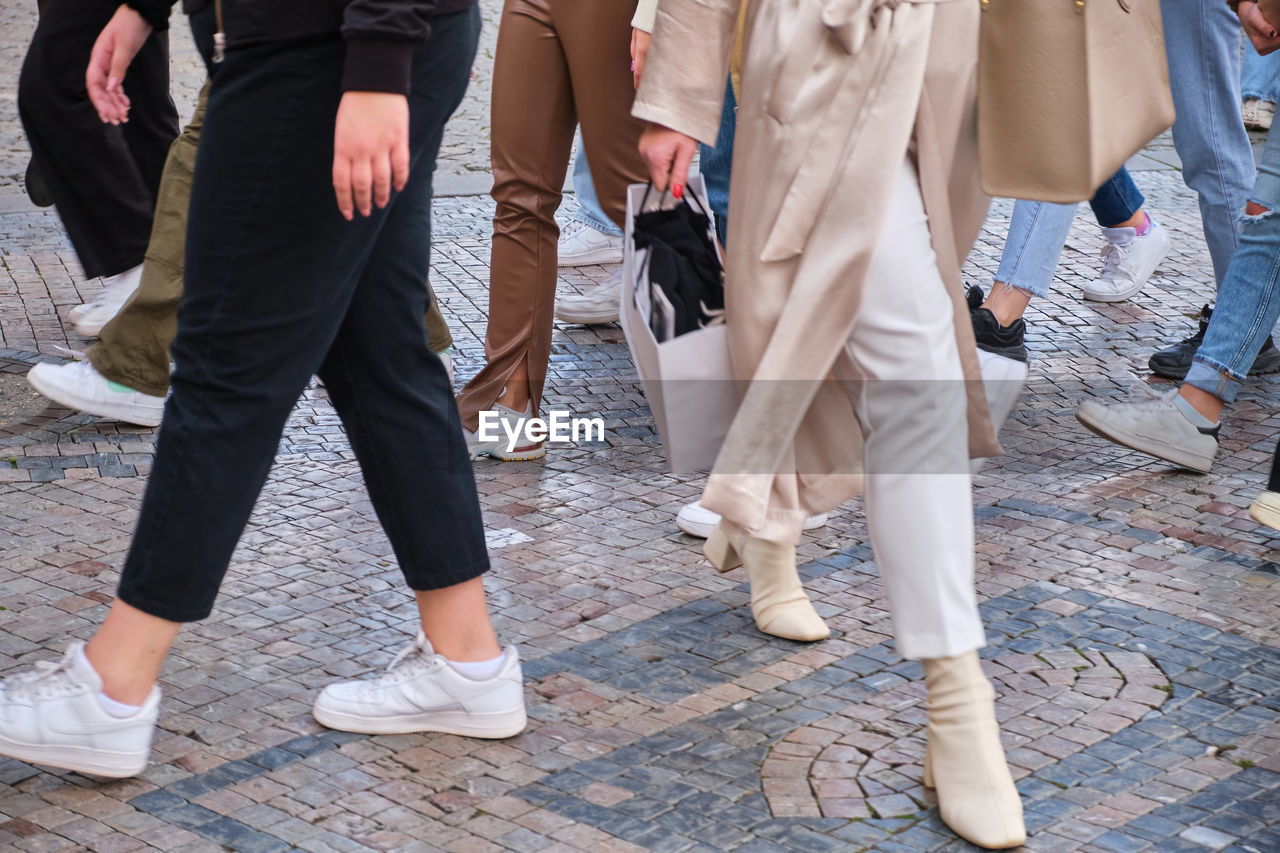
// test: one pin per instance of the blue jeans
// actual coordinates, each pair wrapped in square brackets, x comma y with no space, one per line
[1038,230]
[1202,38]
[1249,299]
[716,164]
[1260,75]
[589,211]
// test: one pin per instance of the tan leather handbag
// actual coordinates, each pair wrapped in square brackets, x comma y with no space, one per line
[1068,90]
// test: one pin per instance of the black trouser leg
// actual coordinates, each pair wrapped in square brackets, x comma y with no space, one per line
[102,178]
[277,284]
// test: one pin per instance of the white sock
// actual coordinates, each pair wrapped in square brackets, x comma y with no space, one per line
[111,706]
[478,670]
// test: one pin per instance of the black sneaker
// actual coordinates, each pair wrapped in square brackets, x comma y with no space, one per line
[1174,362]
[974,296]
[1008,341]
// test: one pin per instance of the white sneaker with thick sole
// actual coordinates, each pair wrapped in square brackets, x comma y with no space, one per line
[600,304]
[697,520]
[1002,381]
[90,317]
[421,692]
[509,422]
[51,716]
[80,386]
[1127,262]
[1152,424]
[580,245]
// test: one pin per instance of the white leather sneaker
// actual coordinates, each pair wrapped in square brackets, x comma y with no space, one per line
[697,520]
[1128,261]
[90,317]
[580,245]
[509,422]
[80,386]
[421,692]
[600,304]
[1151,423]
[51,715]
[1265,509]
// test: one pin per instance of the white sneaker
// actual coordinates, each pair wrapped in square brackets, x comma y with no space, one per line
[421,692]
[1128,261]
[601,304]
[510,422]
[90,317]
[1152,424]
[52,716]
[697,520]
[1002,381]
[80,386]
[580,245]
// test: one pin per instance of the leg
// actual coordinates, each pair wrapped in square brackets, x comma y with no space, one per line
[531,78]
[1037,233]
[1203,42]
[103,178]
[1118,202]
[584,187]
[133,348]
[594,35]
[917,466]
[717,163]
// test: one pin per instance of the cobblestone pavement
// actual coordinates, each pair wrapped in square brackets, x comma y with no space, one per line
[1132,612]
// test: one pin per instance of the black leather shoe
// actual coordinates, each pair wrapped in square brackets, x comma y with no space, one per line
[974,296]
[1174,362]
[37,189]
[1008,341]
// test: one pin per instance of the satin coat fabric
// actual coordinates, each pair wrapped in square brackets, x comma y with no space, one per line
[834,94]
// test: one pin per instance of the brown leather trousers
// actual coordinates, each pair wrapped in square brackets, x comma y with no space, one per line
[558,63]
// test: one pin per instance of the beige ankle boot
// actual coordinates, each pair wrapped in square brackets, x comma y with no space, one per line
[778,602]
[964,760]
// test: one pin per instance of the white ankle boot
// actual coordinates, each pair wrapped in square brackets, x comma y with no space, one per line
[778,602]
[964,760]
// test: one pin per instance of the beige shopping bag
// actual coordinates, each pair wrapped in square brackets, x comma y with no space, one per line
[688,380]
[1068,90]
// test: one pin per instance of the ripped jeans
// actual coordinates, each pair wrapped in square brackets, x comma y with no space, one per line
[1249,298]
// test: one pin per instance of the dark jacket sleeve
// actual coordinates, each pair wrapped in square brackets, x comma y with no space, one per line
[154,12]
[382,36]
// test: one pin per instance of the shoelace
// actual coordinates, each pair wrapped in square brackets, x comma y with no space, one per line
[43,682]
[1115,259]
[573,228]
[411,657]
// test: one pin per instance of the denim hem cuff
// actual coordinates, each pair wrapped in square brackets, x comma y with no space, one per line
[161,610]
[596,224]
[1213,379]
[453,577]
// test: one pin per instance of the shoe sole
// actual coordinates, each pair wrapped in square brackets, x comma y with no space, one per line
[112,765]
[514,456]
[1142,280]
[599,256]
[1138,443]
[587,318]
[126,414]
[492,726]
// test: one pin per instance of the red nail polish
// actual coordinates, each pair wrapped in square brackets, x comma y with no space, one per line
[678,191]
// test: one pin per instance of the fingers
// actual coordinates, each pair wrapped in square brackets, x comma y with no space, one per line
[680,169]
[342,187]
[105,92]
[362,185]
[400,165]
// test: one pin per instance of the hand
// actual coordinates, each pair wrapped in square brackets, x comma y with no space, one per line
[1262,35]
[370,150]
[117,45]
[668,153]
[639,50]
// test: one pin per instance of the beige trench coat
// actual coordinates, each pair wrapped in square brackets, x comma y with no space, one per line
[834,94]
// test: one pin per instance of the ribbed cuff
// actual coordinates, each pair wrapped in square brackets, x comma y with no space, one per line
[646,12]
[373,65]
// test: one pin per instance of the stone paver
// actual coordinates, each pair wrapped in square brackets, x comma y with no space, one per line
[1132,610]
